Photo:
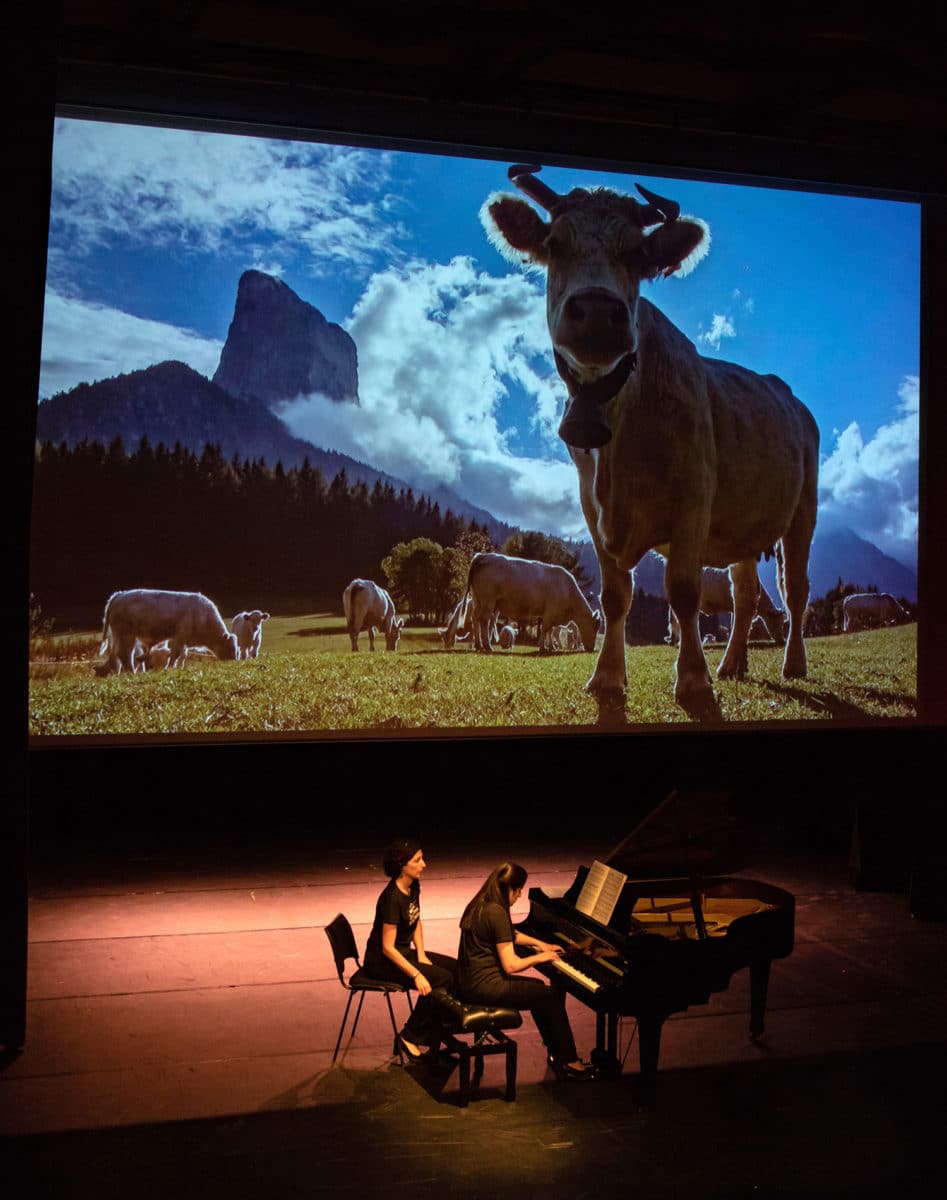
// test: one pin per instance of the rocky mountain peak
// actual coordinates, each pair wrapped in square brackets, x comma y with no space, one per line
[279,347]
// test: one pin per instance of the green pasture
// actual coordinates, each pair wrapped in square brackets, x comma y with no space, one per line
[308,680]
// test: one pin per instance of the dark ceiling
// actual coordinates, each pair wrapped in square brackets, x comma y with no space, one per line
[800,97]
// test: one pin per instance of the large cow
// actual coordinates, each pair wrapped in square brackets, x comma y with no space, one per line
[863,610]
[702,460]
[368,606]
[247,629]
[144,617]
[525,590]
[715,598]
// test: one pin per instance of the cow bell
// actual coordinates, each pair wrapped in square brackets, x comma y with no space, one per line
[582,425]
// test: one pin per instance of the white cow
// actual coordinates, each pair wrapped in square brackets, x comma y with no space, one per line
[368,606]
[525,590]
[716,597]
[572,638]
[703,460]
[507,637]
[863,610]
[247,629]
[456,629]
[147,616]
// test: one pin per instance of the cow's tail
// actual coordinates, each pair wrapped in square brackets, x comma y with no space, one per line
[781,574]
[104,645]
[348,602]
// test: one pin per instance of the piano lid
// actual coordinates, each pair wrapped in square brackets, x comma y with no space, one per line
[686,834]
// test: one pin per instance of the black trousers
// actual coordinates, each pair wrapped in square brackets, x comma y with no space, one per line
[546,1004]
[423,1027]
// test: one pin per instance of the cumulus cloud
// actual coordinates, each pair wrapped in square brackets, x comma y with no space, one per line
[204,192]
[872,486]
[441,347]
[95,342]
[720,327]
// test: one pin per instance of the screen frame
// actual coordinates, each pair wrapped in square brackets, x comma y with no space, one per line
[317,115]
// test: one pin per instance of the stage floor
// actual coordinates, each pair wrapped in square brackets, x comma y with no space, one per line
[183,1009]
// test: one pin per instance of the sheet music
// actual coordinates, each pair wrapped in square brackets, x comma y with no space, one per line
[600,892]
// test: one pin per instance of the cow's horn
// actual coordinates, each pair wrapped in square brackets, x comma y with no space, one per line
[524,176]
[670,210]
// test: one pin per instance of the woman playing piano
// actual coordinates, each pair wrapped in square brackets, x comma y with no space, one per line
[488,965]
[396,950]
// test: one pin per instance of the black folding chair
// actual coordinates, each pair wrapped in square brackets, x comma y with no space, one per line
[342,941]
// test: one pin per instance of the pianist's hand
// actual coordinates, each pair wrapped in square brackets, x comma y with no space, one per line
[547,955]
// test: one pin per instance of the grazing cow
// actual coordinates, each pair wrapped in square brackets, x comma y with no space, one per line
[507,637]
[703,460]
[247,629]
[456,629]
[368,606]
[716,598]
[863,610]
[148,617]
[572,638]
[526,591]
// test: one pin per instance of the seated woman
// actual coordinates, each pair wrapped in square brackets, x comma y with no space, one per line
[396,950]
[488,962]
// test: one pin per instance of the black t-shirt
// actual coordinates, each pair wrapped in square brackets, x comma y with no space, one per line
[478,964]
[394,908]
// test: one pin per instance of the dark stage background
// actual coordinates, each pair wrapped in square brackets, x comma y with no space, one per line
[856,106]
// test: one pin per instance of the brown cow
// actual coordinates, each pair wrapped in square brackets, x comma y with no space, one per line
[702,460]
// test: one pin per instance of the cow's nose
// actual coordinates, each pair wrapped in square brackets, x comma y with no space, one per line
[596,306]
[595,324]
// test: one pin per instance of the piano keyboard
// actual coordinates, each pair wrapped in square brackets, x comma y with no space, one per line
[575,974]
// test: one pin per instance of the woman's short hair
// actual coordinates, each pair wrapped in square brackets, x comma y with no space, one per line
[396,854]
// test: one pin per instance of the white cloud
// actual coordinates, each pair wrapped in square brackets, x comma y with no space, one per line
[720,327]
[439,347]
[872,486]
[746,302]
[95,342]
[203,192]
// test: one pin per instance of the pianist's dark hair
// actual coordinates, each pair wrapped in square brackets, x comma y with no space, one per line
[501,881]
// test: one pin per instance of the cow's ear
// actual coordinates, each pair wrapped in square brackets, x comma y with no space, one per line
[676,248]
[515,228]
[265,617]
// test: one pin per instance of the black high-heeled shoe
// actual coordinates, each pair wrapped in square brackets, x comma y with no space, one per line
[564,1071]
[402,1047]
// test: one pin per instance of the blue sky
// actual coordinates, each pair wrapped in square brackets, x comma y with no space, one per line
[151,229]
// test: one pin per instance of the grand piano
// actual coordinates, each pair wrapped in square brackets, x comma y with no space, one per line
[656,927]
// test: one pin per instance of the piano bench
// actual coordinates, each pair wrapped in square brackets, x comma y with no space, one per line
[487,1024]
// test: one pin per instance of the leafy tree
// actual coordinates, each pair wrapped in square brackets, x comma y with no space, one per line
[419,575]
[471,542]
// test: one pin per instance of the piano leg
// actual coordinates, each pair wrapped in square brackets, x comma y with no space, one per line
[759,985]
[649,1047]
[605,1055]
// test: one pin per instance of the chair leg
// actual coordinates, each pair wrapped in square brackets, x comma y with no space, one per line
[345,1017]
[511,1070]
[358,1013]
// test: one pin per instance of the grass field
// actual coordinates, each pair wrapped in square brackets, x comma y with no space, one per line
[308,680]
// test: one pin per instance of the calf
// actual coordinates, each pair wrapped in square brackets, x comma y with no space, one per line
[247,629]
